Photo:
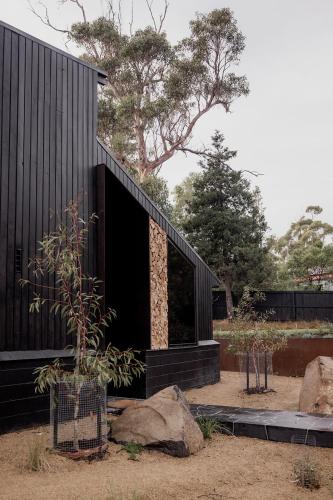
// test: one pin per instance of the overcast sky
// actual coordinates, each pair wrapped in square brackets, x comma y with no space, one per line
[284,128]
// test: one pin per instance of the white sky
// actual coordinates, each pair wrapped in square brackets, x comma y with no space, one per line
[284,128]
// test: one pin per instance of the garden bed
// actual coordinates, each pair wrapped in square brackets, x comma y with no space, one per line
[290,362]
[227,468]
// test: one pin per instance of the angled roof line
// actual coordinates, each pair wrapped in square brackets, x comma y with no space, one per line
[101,74]
[150,202]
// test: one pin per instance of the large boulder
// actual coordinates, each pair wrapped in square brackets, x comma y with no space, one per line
[316,394]
[163,421]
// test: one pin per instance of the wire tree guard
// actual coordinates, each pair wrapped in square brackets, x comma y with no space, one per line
[255,369]
[79,417]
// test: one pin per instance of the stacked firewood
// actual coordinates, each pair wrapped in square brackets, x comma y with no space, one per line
[158,286]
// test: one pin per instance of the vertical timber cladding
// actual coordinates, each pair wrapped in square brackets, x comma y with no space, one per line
[158,250]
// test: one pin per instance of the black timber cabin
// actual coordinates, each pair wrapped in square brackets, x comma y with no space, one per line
[49,154]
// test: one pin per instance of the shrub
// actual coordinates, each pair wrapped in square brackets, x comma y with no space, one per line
[133,450]
[307,474]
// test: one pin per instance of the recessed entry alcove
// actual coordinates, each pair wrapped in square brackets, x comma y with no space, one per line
[154,287]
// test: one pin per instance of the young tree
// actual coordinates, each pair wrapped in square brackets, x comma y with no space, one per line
[305,252]
[226,223]
[156,92]
[75,297]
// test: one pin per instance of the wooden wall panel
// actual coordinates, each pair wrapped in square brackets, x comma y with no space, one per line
[158,250]
[48,125]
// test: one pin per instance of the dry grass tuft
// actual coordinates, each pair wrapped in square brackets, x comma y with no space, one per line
[307,474]
[37,455]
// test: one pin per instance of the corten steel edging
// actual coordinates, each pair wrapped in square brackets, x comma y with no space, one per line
[291,362]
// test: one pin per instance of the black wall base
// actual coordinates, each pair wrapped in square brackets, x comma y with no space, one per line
[187,367]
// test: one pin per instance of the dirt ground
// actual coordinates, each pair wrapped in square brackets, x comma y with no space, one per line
[228,393]
[227,468]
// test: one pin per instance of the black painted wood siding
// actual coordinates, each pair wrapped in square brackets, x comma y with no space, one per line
[205,280]
[19,403]
[48,116]
[186,367]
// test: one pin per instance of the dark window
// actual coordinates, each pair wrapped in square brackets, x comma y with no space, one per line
[181,298]
[18,260]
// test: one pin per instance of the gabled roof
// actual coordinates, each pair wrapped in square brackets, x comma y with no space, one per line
[101,74]
[104,156]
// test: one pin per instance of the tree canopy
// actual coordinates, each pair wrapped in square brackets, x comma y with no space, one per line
[157,91]
[183,194]
[157,189]
[226,224]
[305,253]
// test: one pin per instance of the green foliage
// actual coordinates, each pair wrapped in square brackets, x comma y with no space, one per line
[183,194]
[256,340]
[245,311]
[157,189]
[249,330]
[208,426]
[305,333]
[133,450]
[76,299]
[226,224]
[156,92]
[307,474]
[304,255]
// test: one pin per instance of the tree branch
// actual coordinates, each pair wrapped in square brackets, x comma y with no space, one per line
[80,6]
[46,19]
[205,152]
[161,17]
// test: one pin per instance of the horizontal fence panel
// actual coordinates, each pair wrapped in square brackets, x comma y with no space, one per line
[285,306]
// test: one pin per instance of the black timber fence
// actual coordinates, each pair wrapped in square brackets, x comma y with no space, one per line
[287,306]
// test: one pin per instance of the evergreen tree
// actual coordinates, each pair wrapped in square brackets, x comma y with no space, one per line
[226,224]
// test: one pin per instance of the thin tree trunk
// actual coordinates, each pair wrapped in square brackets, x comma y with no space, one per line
[76,444]
[229,302]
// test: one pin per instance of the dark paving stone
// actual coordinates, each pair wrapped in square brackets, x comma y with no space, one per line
[273,425]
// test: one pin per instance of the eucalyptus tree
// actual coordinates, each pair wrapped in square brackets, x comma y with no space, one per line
[305,253]
[156,91]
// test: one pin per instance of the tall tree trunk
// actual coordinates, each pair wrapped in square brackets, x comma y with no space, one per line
[228,296]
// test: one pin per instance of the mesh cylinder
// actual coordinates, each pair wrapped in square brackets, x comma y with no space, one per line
[78,415]
[255,369]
